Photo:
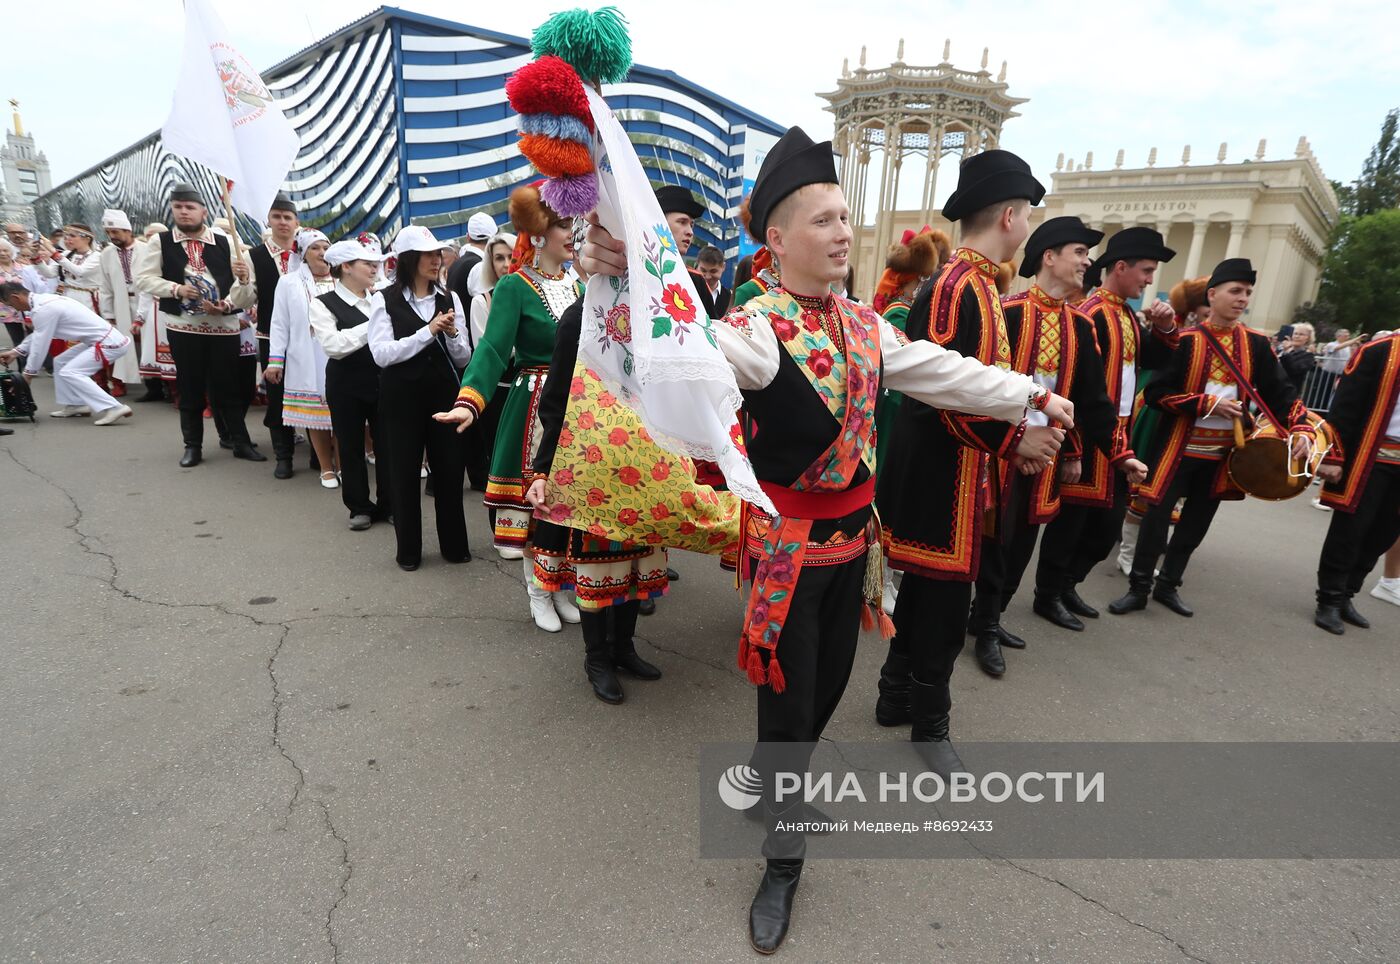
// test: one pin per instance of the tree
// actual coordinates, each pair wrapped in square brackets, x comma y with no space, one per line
[1322,315]
[1361,274]
[1378,187]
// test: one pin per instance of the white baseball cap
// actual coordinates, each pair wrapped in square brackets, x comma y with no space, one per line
[345,251]
[480,226]
[415,237]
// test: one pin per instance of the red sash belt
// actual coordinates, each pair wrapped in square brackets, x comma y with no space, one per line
[796,504]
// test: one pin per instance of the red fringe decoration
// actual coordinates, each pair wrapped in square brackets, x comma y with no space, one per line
[775,674]
[867,618]
[548,86]
[886,626]
[555,157]
[755,667]
[762,258]
[523,254]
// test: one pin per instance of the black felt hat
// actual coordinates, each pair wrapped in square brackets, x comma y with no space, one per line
[184,191]
[674,198]
[1132,243]
[1052,234]
[794,162]
[1232,269]
[989,177]
[283,203]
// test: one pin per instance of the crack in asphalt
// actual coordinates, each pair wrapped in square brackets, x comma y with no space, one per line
[85,543]
[718,667]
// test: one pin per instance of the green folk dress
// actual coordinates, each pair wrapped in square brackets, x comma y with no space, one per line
[525,309]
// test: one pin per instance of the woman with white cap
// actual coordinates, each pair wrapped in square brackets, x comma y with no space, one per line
[481,437]
[294,357]
[340,324]
[418,337]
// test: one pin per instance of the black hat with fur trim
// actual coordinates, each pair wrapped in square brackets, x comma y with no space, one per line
[989,177]
[1052,234]
[793,163]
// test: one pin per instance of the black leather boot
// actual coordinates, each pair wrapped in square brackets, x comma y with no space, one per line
[1009,639]
[1350,615]
[1135,599]
[929,707]
[192,428]
[1165,593]
[1329,617]
[771,910]
[892,708]
[1049,606]
[988,652]
[624,647]
[283,448]
[155,390]
[243,447]
[1076,604]
[597,659]
[770,914]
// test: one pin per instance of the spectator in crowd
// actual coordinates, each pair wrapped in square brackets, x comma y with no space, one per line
[1296,355]
[709,265]
[1337,352]
[743,271]
[10,273]
[465,279]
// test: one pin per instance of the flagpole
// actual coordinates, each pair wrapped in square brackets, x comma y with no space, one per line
[232,223]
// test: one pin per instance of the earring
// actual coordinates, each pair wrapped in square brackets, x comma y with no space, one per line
[537,240]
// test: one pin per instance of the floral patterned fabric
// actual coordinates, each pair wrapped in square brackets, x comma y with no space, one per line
[610,480]
[837,343]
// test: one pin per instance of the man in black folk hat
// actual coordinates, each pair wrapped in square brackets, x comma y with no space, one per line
[1091,518]
[809,364]
[270,262]
[1200,396]
[200,288]
[681,210]
[1054,344]
[938,492]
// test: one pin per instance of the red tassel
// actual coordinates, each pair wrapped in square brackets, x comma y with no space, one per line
[867,618]
[755,668]
[886,626]
[775,674]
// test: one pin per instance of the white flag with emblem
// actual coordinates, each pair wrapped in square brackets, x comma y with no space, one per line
[224,117]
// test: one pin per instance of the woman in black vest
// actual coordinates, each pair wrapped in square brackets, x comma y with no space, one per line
[418,337]
[340,322]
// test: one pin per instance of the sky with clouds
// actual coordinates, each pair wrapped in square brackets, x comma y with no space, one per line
[94,76]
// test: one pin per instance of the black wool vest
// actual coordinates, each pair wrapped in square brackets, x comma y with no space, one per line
[432,362]
[174,260]
[357,367]
[266,276]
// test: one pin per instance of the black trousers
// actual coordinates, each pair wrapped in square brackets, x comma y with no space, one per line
[816,652]
[1193,480]
[1080,538]
[930,620]
[999,577]
[354,404]
[481,440]
[1356,540]
[406,408]
[207,365]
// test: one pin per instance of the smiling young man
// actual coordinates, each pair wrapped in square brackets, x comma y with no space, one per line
[809,364]
[1054,344]
[1200,396]
[1091,520]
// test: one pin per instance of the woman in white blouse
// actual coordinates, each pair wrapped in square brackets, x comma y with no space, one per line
[418,337]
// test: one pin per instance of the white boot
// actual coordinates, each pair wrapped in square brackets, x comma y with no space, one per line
[1126,545]
[889,594]
[541,605]
[71,411]
[564,606]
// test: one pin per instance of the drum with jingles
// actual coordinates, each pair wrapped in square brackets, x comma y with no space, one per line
[1263,464]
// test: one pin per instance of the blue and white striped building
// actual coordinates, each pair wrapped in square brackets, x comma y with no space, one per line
[403,119]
